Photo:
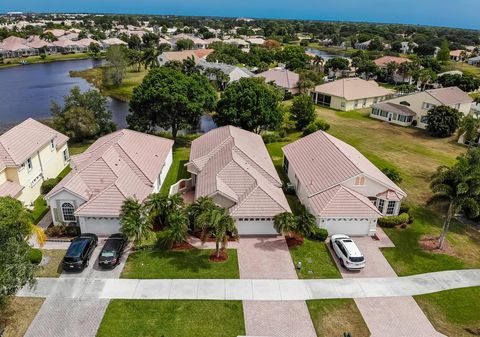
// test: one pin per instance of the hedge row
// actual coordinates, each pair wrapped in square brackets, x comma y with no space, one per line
[392,221]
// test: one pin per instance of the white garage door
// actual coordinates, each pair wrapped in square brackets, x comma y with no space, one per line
[100,226]
[353,226]
[255,226]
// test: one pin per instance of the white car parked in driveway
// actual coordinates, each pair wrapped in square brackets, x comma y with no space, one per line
[347,251]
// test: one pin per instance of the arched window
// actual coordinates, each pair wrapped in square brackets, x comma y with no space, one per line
[67,212]
[360,181]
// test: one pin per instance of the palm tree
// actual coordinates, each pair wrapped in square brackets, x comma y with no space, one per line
[460,187]
[469,128]
[195,210]
[177,230]
[404,69]
[220,226]
[391,69]
[134,221]
[284,223]
[318,62]
[305,222]
[150,58]
[158,206]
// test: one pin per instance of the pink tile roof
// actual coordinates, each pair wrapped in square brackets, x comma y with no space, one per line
[281,77]
[14,43]
[389,195]
[122,164]
[384,60]
[22,141]
[10,189]
[322,162]
[450,96]
[352,89]
[236,164]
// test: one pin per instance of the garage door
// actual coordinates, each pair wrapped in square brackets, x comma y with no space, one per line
[353,226]
[255,226]
[100,226]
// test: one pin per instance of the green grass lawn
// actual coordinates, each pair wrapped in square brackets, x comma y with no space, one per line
[78,148]
[18,315]
[336,316]
[53,268]
[163,264]
[178,170]
[463,67]
[50,58]
[40,208]
[453,311]
[316,260]
[408,258]
[173,319]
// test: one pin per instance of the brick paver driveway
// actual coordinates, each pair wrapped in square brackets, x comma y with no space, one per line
[75,317]
[387,316]
[268,257]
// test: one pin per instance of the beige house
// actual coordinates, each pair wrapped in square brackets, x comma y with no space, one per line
[117,166]
[282,78]
[349,94]
[233,167]
[412,109]
[30,153]
[337,184]
[398,76]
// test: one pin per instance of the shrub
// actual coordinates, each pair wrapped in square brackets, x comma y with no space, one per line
[393,174]
[71,231]
[271,137]
[392,221]
[62,231]
[48,185]
[319,124]
[282,133]
[35,255]
[319,234]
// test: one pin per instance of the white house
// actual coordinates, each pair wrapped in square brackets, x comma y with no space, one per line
[117,166]
[346,192]
[30,153]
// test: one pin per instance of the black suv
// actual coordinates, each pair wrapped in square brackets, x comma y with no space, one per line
[112,250]
[79,252]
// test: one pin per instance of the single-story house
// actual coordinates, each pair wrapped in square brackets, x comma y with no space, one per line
[458,55]
[30,153]
[398,76]
[349,93]
[282,78]
[474,61]
[408,47]
[197,54]
[117,166]
[363,45]
[234,73]
[412,109]
[114,41]
[233,167]
[343,189]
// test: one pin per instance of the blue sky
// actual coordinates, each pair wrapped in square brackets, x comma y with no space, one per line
[451,13]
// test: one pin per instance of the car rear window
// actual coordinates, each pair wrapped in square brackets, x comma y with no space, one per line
[357,258]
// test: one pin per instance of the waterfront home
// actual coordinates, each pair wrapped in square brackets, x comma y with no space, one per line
[412,109]
[124,164]
[282,78]
[339,186]
[349,93]
[197,54]
[30,153]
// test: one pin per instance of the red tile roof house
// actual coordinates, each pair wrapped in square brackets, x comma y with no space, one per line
[398,77]
[117,166]
[233,167]
[346,192]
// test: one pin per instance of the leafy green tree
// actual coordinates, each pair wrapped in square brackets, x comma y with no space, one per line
[159,206]
[78,123]
[177,230]
[134,222]
[294,57]
[251,104]
[184,44]
[116,65]
[458,185]
[150,40]
[443,121]
[284,223]
[170,99]
[134,58]
[336,64]
[134,42]
[391,69]
[318,124]
[444,52]
[194,211]
[16,271]
[366,67]
[150,58]
[302,111]
[469,128]
[94,49]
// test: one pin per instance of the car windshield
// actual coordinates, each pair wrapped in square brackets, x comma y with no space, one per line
[357,258]
[76,248]
[108,253]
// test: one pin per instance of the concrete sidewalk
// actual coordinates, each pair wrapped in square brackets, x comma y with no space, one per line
[252,289]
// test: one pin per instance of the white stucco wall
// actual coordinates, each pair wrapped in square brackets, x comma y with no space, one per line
[58,199]
[163,174]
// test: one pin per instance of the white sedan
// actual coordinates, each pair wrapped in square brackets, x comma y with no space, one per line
[347,251]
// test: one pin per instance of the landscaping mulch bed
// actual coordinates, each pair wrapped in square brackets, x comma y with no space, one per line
[223,256]
[182,246]
[211,239]
[430,243]
[294,240]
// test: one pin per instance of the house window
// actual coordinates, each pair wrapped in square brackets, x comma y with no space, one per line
[67,212]
[383,113]
[66,155]
[405,103]
[375,111]
[52,145]
[360,181]
[342,104]
[427,106]
[381,204]
[424,120]
[391,207]
[29,164]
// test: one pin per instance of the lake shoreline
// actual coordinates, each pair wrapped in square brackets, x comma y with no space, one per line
[57,58]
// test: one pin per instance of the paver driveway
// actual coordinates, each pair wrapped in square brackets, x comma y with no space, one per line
[268,257]
[75,317]
[387,316]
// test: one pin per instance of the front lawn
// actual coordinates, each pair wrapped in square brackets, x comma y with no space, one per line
[78,148]
[408,258]
[39,210]
[53,267]
[452,312]
[333,317]
[316,260]
[181,155]
[168,264]
[18,315]
[173,318]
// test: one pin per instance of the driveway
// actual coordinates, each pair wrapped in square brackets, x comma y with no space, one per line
[74,317]
[269,258]
[387,316]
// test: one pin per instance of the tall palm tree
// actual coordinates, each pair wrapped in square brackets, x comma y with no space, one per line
[284,223]
[150,58]
[220,226]
[156,207]
[318,62]
[305,222]
[404,69]
[391,69]
[460,187]
[196,209]
[177,230]
[134,221]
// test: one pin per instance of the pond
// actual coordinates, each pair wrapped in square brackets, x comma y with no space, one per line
[326,55]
